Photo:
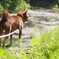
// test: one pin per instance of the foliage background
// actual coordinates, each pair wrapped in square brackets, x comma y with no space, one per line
[18,5]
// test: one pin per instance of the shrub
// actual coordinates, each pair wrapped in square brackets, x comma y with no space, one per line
[13,6]
[22,5]
[47,46]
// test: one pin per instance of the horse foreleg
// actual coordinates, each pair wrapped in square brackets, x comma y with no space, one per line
[20,33]
[10,39]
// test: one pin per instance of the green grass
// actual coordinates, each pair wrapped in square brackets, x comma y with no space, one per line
[5,54]
[51,19]
[47,46]
[44,46]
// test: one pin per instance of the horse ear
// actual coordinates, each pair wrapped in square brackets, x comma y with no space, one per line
[25,12]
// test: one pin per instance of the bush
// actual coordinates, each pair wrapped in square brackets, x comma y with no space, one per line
[1,8]
[22,5]
[47,46]
[13,5]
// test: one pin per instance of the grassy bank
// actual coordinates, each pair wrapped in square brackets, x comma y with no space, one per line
[44,46]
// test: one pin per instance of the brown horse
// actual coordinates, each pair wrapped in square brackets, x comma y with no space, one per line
[11,23]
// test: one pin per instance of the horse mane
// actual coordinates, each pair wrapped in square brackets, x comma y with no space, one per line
[5,14]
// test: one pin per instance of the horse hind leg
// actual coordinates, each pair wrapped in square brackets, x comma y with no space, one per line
[4,41]
[1,31]
[0,41]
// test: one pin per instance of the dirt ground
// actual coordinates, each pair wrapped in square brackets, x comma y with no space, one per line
[40,20]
